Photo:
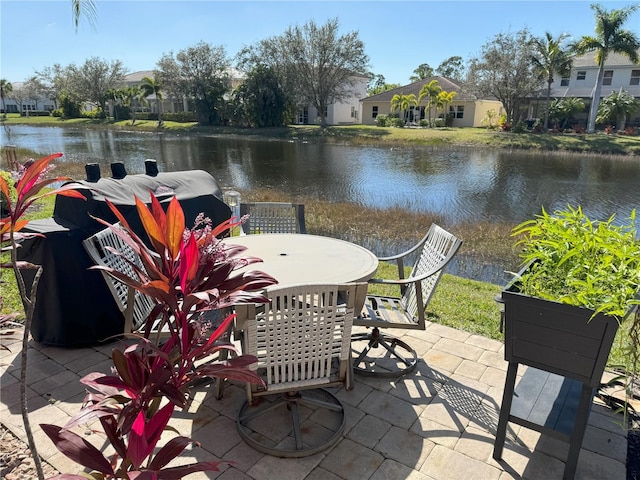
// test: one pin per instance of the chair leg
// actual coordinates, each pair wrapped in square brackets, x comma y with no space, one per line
[303,438]
[405,362]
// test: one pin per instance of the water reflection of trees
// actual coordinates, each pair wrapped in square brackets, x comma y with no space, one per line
[461,184]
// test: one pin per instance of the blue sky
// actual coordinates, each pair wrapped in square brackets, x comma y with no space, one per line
[398,35]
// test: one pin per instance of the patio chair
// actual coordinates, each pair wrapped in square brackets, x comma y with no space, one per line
[134,305]
[273,217]
[302,341]
[434,251]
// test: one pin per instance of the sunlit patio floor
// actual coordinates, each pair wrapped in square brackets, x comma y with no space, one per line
[438,422]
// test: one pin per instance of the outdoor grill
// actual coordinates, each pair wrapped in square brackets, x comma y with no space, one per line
[74,306]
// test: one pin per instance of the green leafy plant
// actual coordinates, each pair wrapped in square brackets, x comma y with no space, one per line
[188,272]
[592,264]
[577,261]
[382,120]
[490,119]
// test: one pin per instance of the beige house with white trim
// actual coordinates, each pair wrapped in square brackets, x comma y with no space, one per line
[467,109]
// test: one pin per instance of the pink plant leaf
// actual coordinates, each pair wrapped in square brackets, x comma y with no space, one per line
[171,450]
[240,374]
[32,174]
[120,363]
[32,195]
[143,475]
[113,381]
[110,427]
[189,260]
[90,380]
[118,215]
[215,336]
[91,412]
[68,476]
[77,449]
[145,435]
[177,473]
[174,395]
[156,425]
[21,265]
[214,348]
[138,444]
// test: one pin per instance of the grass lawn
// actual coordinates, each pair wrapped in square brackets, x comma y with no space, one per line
[460,303]
[598,143]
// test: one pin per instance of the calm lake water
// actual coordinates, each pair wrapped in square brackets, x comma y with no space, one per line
[463,185]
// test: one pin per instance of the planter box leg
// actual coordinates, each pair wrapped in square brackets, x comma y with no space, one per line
[505,410]
[579,428]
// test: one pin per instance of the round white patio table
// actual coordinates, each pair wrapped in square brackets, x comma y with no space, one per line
[301,258]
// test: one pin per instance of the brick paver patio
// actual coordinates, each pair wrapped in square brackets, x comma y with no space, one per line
[436,423]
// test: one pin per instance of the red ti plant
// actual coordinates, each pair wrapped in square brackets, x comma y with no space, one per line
[188,272]
[28,190]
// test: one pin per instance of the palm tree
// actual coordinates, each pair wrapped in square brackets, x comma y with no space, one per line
[443,100]
[116,97]
[562,110]
[616,107]
[430,91]
[5,89]
[150,86]
[402,103]
[129,95]
[610,38]
[550,58]
[83,8]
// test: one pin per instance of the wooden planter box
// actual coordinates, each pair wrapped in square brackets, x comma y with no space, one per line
[568,342]
[557,338]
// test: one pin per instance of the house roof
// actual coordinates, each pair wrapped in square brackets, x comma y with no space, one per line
[586,92]
[138,76]
[447,85]
[587,60]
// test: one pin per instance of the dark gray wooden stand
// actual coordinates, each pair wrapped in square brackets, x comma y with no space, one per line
[547,403]
[566,349]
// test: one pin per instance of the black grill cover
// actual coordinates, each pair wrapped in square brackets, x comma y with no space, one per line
[74,306]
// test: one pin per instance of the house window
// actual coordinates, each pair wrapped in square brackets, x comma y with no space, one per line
[354,112]
[303,116]
[582,74]
[417,114]
[564,82]
[635,77]
[374,111]
[457,111]
[608,76]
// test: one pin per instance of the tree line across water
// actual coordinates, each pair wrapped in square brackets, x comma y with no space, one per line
[316,65]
